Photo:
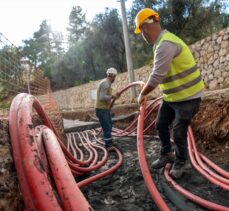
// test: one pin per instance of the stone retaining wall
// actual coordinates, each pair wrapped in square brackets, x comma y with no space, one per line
[212,58]
[210,53]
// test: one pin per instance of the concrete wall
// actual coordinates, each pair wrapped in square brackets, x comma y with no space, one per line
[210,53]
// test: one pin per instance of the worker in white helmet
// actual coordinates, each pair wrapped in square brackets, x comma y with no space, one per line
[102,105]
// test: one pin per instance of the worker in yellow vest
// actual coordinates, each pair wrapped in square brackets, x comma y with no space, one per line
[102,105]
[176,73]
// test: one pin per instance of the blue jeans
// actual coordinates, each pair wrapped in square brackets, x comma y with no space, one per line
[105,120]
[181,114]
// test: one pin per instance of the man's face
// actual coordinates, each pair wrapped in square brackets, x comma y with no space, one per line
[144,32]
[148,32]
[111,77]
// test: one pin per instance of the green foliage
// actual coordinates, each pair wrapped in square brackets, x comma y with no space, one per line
[94,47]
[224,19]
[44,49]
[100,47]
[192,20]
[10,62]
[11,74]
[4,104]
[108,41]
[77,25]
[77,83]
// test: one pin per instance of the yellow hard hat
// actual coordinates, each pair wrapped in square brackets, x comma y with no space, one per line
[143,15]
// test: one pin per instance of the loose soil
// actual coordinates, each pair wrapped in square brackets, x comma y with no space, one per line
[125,190]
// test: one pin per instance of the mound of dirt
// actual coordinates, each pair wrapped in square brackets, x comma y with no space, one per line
[10,195]
[211,126]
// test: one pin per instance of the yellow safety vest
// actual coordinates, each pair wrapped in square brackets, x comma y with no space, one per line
[99,103]
[183,79]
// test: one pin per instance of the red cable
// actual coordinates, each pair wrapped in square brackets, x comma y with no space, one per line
[207,204]
[68,190]
[144,167]
[37,191]
[105,173]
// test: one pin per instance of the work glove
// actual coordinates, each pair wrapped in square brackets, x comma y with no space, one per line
[141,98]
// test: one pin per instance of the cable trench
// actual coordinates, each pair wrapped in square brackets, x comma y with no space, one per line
[39,153]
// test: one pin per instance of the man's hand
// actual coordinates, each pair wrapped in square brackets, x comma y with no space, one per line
[116,96]
[141,98]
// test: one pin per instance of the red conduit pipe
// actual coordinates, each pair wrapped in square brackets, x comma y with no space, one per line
[120,133]
[204,203]
[68,154]
[91,148]
[87,149]
[157,104]
[82,161]
[215,167]
[18,159]
[149,110]
[213,203]
[48,123]
[143,164]
[90,168]
[197,167]
[103,174]
[69,192]
[68,144]
[77,170]
[202,165]
[205,159]
[40,189]
[126,130]
[72,147]
[90,144]
[96,139]
[39,194]
[131,129]
[189,195]
[70,157]
[136,83]
[79,151]
[41,149]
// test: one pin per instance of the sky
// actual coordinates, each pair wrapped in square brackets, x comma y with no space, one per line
[19,19]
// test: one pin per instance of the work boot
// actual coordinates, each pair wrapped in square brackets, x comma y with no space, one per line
[110,148]
[108,143]
[178,169]
[163,160]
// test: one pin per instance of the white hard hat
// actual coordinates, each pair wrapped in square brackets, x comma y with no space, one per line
[112,70]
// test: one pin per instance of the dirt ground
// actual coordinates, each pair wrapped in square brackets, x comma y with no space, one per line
[125,190]
[211,127]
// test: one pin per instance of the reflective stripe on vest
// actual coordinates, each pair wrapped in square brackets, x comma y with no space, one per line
[183,79]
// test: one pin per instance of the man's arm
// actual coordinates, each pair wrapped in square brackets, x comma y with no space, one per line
[163,57]
[103,96]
